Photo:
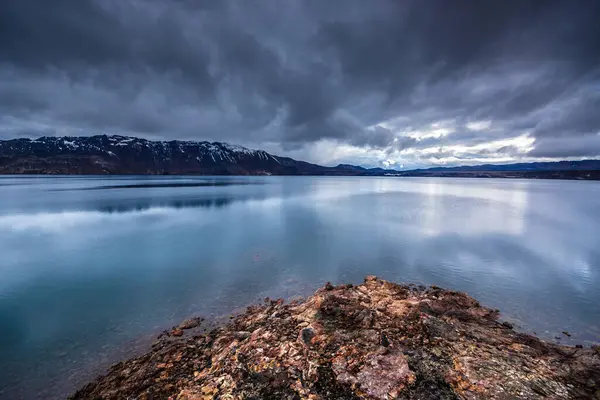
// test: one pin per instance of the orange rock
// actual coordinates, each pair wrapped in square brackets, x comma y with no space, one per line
[177,332]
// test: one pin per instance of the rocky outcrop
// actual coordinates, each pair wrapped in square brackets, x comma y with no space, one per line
[377,340]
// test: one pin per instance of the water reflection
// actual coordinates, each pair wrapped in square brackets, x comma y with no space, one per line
[177,204]
[86,272]
[215,183]
[447,211]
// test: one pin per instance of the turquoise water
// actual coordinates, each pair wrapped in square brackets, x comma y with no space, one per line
[91,266]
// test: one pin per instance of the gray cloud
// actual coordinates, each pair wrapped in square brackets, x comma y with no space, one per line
[561,147]
[287,76]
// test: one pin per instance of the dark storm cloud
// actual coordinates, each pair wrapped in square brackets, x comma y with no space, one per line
[584,146]
[74,35]
[293,73]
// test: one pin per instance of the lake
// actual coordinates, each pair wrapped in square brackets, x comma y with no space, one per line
[92,268]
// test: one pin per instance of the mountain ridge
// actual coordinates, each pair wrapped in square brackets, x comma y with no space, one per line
[124,155]
[128,155]
[581,165]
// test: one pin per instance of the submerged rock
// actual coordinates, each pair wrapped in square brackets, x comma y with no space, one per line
[378,340]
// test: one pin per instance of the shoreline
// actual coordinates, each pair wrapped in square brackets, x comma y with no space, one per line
[377,340]
[588,175]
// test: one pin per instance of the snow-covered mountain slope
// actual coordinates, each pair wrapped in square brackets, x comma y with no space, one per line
[116,154]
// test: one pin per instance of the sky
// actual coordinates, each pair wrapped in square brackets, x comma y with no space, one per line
[404,84]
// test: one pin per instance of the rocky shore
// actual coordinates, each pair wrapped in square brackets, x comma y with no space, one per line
[377,340]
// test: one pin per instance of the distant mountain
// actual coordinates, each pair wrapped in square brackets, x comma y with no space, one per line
[584,165]
[102,154]
[129,155]
[585,169]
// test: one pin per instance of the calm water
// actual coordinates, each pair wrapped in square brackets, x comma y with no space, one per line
[91,266]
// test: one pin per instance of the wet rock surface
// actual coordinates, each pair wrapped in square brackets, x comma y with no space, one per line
[378,340]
